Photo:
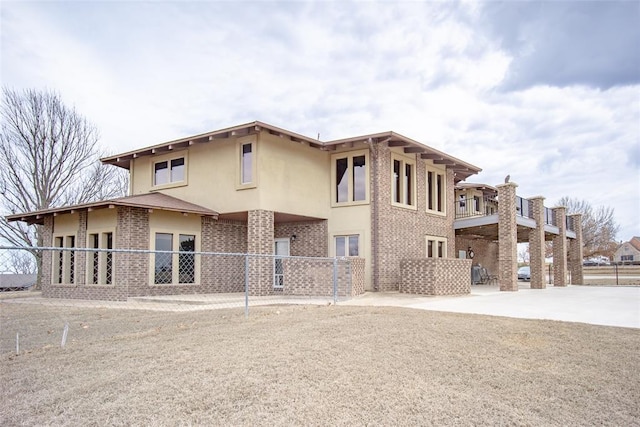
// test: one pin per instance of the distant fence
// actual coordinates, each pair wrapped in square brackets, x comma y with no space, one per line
[170,281]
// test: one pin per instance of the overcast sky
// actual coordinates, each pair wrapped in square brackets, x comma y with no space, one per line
[548,92]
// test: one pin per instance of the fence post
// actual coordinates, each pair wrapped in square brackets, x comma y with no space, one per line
[246,286]
[335,280]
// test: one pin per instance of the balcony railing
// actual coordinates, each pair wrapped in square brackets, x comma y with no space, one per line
[476,206]
[549,216]
[523,207]
[570,224]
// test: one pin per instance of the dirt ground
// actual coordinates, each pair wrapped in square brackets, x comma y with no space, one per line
[308,365]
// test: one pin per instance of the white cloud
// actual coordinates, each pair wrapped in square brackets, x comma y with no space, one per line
[151,72]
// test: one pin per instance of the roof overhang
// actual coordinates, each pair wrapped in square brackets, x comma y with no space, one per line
[151,201]
[461,169]
[123,160]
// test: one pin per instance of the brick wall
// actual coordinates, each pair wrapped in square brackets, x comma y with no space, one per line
[485,252]
[314,277]
[311,237]
[401,232]
[436,276]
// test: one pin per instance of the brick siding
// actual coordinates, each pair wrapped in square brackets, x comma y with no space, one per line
[436,276]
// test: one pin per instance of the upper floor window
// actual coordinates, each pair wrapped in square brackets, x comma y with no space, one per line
[436,190]
[169,171]
[350,178]
[403,181]
[246,175]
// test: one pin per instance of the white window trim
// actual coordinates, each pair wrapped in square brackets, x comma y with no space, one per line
[102,244]
[349,155]
[437,171]
[359,234]
[254,162]
[435,239]
[404,160]
[168,158]
[175,243]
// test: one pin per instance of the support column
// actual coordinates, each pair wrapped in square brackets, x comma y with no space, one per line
[507,237]
[260,241]
[536,245]
[575,251]
[560,248]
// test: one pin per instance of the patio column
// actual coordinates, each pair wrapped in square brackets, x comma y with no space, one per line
[560,248]
[575,251]
[536,244]
[507,237]
[260,241]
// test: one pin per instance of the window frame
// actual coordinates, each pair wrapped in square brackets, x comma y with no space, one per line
[64,263]
[347,246]
[350,174]
[436,196]
[176,257]
[169,159]
[438,240]
[102,259]
[405,188]
[240,143]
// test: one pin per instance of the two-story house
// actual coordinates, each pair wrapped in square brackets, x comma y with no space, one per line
[383,201]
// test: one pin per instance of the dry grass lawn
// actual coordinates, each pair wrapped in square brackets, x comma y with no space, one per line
[307,365]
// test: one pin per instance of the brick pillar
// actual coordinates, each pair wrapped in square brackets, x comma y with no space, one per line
[260,232]
[131,274]
[80,257]
[507,237]
[575,251]
[46,263]
[560,248]
[536,244]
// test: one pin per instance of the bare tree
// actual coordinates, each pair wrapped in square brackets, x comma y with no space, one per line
[599,227]
[48,157]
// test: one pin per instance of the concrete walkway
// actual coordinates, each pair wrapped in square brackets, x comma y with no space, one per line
[596,305]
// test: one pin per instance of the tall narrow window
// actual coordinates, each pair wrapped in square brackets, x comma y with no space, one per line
[436,191]
[396,181]
[350,177]
[64,260]
[342,180]
[247,163]
[95,258]
[60,260]
[187,260]
[164,261]
[70,264]
[402,181]
[359,178]
[108,273]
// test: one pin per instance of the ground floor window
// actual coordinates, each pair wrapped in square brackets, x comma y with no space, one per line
[174,250]
[436,247]
[101,261]
[64,260]
[347,245]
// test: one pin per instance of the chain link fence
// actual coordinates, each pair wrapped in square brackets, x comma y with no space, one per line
[77,286]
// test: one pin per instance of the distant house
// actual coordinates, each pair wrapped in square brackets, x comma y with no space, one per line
[16,282]
[628,252]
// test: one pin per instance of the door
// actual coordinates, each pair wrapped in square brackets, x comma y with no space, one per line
[281,247]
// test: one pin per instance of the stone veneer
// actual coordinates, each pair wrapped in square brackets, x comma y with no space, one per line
[436,276]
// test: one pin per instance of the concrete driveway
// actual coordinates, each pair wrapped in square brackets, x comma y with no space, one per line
[596,305]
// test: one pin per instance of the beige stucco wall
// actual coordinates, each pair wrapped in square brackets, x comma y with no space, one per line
[291,177]
[102,220]
[66,224]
